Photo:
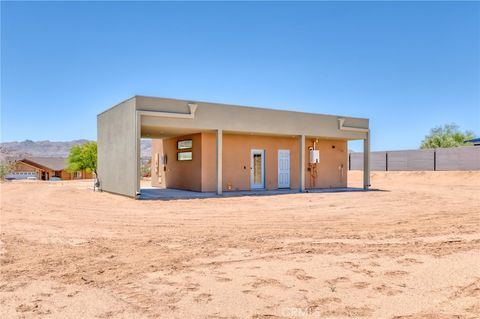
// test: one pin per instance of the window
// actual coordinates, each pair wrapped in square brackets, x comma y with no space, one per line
[182,145]
[184,156]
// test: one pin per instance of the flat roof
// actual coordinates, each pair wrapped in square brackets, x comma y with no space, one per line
[226,105]
[238,105]
[162,117]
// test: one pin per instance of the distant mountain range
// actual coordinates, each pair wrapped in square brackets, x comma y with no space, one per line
[11,151]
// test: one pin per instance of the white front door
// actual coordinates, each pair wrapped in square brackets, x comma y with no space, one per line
[283,168]
[257,168]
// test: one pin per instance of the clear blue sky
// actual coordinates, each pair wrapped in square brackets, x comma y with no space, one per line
[407,66]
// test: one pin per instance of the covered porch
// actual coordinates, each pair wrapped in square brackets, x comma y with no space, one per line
[155,193]
[225,161]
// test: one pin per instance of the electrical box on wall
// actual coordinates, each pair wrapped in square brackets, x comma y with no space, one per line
[314,156]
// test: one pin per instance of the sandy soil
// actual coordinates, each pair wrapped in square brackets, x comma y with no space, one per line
[410,250]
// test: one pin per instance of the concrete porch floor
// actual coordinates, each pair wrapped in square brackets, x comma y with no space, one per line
[170,193]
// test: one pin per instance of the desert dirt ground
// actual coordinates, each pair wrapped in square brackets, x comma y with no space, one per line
[410,250]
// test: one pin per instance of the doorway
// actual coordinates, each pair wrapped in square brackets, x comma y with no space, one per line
[44,176]
[283,168]
[257,168]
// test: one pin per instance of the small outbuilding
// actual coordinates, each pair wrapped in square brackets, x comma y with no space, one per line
[211,147]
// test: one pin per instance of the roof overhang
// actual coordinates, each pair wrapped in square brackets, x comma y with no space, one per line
[160,118]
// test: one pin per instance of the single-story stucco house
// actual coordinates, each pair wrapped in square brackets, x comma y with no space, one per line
[212,147]
[44,168]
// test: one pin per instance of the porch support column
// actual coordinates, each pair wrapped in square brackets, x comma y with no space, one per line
[302,162]
[219,161]
[366,161]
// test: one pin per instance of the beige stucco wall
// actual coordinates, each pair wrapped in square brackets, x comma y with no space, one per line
[118,149]
[332,169]
[158,169]
[237,161]
[200,175]
[209,164]
[184,174]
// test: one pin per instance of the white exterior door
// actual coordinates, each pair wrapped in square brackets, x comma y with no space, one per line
[257,169]
[283,168]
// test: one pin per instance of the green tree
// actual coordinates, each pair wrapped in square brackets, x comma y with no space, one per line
[146,168]
[83,157]
[5,168]
[448,135]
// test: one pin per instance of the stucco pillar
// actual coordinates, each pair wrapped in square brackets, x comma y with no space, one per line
[138,120]
[366,161]
[302,162]
[219,161]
